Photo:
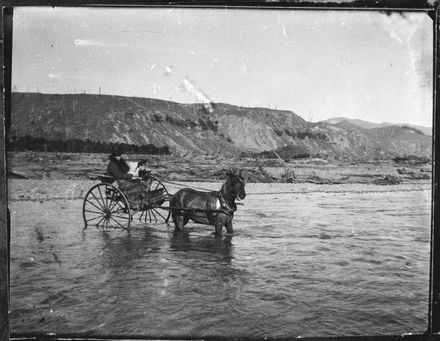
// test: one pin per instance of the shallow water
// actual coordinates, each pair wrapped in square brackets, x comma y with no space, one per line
[299,264]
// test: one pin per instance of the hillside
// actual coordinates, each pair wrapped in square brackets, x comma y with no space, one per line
[191,129]
[371,125]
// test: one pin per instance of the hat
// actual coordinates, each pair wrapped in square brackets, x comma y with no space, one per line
[142,163]
[117,150]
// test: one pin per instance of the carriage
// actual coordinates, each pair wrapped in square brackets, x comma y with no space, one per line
[106,206]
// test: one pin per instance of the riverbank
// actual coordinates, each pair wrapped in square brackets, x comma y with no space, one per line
[82,166]
[66,190]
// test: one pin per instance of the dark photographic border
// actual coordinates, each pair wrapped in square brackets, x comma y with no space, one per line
[431,8]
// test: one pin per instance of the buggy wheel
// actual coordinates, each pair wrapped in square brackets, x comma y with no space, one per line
[107,207]
[157,203]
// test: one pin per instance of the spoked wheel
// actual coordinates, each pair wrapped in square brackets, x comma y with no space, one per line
[107,207]
[158,196]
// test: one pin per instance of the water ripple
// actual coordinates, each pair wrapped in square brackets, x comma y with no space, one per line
[307,265]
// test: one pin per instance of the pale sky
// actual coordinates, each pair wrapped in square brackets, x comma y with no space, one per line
[318,64]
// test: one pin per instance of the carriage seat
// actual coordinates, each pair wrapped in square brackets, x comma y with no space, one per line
[104,178]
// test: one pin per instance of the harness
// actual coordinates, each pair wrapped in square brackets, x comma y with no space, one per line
[225,208]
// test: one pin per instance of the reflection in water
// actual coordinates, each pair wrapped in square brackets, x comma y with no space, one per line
[202,246]
[122,249]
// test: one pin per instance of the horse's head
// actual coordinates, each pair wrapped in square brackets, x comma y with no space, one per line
[234,186]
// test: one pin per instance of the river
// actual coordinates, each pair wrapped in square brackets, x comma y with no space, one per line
[300,263]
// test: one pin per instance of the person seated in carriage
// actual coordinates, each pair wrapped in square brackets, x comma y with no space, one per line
[117,167]
[136,189]
[143,173]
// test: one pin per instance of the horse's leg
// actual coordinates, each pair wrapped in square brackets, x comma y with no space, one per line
[229,228]
[178,221]
[218,228]
[185,219]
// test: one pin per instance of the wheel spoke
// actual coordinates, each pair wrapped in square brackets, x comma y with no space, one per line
[123,227]
[92,211]
[97,200]
[91,203]
[99,222]
[152,212]
[106,196]
[93,218]
[159,213]
[115,202]
[102,197]
[142,214]
[121,217]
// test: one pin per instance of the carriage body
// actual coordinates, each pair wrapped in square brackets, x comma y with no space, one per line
[110,206]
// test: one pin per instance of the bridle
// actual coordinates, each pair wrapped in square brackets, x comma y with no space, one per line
[233,195]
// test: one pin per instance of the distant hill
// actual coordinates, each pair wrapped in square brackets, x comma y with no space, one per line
[371,125]
[191,128]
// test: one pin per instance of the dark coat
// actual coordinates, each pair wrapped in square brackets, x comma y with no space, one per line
[118,169]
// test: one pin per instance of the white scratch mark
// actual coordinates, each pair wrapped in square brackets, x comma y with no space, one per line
[283,28]
[190,87]
[97,43]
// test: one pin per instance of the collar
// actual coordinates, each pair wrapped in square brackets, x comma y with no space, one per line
[224,204]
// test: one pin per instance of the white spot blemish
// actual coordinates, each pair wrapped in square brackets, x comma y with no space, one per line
[218,205]
[168,70]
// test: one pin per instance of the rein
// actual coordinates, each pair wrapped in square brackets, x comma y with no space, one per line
[184,185]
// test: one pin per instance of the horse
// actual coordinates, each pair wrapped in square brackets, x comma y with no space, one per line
[210,208]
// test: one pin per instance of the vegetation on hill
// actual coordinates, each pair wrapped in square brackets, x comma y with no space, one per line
[39,144]
[189,129]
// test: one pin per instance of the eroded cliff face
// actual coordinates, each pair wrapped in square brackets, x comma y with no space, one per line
[189,128]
